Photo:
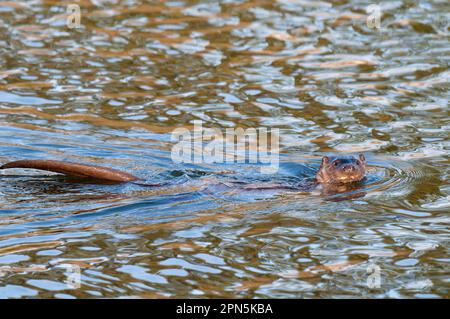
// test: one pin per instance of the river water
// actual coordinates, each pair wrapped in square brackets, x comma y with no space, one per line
[111,92]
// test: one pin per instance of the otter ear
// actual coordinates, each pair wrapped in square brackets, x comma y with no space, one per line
[325,160]
[362,157]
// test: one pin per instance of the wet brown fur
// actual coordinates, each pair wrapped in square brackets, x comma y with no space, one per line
[341,169]
[333,170]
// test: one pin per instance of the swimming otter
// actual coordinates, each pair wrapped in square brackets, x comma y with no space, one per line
[333,170]
[74,169]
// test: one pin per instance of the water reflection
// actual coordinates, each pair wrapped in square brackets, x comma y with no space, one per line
[111,92]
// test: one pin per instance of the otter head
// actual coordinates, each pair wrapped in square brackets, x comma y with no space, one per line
[341,169]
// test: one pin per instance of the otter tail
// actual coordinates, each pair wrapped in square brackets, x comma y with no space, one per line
[74,169]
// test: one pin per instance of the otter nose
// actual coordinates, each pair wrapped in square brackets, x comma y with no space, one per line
[348,168]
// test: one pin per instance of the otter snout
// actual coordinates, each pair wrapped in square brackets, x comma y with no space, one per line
[348,168]
[341,169]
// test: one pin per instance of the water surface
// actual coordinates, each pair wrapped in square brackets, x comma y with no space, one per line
[112,91]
